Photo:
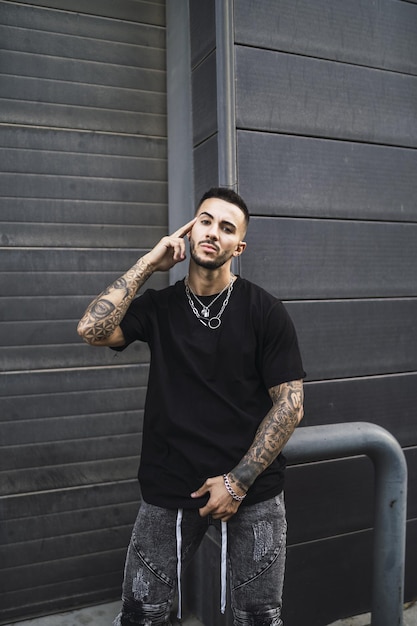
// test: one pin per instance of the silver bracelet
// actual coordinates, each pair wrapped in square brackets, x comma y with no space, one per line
[230,489]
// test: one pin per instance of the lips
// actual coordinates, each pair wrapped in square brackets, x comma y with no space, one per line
[206,245]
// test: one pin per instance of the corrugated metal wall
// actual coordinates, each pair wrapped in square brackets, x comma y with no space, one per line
[83,187]
[326,131]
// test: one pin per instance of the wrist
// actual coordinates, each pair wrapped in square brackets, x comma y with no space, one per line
[144,266]
[231,489]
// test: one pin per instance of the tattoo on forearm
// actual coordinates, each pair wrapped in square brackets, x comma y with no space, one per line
[272,434]
[105,313]
[101,309]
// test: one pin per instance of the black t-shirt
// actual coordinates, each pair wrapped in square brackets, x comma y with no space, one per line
[208,389]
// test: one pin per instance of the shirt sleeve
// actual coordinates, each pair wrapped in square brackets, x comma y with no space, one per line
[136,323]
[281,358]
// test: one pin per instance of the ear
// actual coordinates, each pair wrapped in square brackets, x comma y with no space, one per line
[239,248]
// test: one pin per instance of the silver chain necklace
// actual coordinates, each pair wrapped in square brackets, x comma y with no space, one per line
[215,321]
[205,310]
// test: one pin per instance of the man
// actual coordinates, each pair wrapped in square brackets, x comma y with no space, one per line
[224,395]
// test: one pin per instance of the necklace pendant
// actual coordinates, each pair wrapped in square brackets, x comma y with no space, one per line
[205,312]
[214,323]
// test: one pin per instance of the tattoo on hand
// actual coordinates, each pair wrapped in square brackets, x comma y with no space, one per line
[272,434]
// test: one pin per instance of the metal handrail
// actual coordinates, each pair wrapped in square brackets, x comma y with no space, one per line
[320,443]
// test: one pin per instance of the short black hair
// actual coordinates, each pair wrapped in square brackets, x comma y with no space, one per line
[228,195]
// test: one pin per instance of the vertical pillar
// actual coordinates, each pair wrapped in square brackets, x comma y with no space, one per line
[179,110]
[226,115]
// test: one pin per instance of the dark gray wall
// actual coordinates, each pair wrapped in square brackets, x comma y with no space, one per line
[326,133]
[83,185]
[204,95]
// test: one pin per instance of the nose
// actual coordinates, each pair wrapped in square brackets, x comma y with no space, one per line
[213,231]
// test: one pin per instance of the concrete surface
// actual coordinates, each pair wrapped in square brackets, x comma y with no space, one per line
[104,614]
[410,618]
[100,615]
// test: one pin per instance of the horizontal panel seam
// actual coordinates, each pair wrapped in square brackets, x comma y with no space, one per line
[76,463]
[249,131]
[326,60]
[361,378]
[331,537]
[324,137]
[39,104]
[100,155]
[68,489]
[61,129]
[90,86]
[76,35]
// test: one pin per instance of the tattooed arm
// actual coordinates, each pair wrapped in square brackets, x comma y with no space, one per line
[272,435]
[99,325]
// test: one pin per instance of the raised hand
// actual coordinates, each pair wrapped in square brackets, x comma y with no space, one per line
[170,250]
[99,325]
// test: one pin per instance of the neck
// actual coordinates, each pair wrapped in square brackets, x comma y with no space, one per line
[205,282]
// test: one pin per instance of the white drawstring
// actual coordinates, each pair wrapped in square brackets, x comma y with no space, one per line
[223,567]
[179,546]
[223,564]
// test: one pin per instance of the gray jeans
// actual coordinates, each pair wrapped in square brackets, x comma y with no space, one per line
[256,538]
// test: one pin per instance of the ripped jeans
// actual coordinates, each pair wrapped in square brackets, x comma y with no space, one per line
[256,538]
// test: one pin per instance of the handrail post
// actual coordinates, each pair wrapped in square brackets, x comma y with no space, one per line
[320,443]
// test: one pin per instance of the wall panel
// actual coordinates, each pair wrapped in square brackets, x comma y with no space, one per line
[387,400]
[67,380]
[146,11]
[285,93]
[347,571]
[331,258]
[204,99]
[206,166]
[203,53]
[380,35]
[92,26]
[301,176]
[349,488]
[69,427]
[202,30]
[83,192]
[62,283]
[356,337]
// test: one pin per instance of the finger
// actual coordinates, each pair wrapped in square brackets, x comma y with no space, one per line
[200,492]
[175,247]
[223,513]
[216,510]
[181,232]
[205,510]
[179,252]
[228,514]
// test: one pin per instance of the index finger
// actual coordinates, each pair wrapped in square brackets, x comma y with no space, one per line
[181,232]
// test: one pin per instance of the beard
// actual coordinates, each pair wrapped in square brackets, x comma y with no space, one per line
[209,264]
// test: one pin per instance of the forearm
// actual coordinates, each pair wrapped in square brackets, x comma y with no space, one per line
[272,435]
[106,311]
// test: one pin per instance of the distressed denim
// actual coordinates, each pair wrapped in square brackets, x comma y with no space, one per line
[256,538]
